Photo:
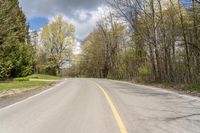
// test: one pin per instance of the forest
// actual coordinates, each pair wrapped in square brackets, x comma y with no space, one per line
[144,41]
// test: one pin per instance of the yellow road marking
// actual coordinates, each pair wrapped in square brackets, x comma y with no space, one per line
[114,111]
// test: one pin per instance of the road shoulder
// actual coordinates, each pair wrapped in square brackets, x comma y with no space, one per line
[162,89]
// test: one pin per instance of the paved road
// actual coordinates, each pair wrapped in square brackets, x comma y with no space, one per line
[83,106]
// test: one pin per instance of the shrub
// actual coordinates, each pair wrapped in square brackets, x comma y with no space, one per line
[144,71]
[33,76]
[21,79]
[5,68]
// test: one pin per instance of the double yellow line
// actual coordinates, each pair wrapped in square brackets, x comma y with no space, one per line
[114,110]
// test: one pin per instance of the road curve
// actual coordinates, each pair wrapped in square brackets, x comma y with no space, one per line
[81,106]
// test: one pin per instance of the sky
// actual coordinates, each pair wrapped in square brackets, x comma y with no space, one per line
[81,13]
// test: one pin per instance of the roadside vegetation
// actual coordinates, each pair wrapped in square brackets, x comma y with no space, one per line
[37,76]
[41,76]
[146,41]
[16,51]
[21,55]
[25,82]
[22,84]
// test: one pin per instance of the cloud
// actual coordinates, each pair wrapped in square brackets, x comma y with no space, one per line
[82,13]
[84,24]
[53,7]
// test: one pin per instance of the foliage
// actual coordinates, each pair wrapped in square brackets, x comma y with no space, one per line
[159,42]
[100,50]
[16,57]
[57,40]
[144,71]
[5,68]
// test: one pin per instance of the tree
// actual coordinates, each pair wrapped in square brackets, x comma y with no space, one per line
[101,49]
[163,42]
[15,49]
[57,39]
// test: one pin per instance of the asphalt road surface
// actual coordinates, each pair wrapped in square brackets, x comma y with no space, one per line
[102,106]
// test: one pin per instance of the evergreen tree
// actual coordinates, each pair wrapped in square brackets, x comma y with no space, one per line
[15,49]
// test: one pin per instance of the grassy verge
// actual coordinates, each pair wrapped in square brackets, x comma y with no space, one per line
[40,76]
[192,88]
[22,84]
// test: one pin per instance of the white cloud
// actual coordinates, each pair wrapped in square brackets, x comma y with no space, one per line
[52,7]
[81,13]
[82,28]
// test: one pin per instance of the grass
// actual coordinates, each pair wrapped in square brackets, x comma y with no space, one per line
[193,87]
[40,76]
[21,79]
[22,84]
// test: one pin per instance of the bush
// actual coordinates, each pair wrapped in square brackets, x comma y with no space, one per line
[5,68]
[34,76]
[144,71]
[41,76]
[21,79]
[143,74]
[22,61]
[16,60]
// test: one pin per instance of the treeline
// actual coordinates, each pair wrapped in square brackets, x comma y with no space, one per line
[16,52]
[144,40]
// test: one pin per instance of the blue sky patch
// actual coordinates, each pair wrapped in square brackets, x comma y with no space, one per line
[37,22]
[186,3]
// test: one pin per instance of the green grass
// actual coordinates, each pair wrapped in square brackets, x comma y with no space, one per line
[22,84]
[40,76]
[21,79]
[193,87]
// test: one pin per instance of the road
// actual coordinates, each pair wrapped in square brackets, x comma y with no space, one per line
[102,106]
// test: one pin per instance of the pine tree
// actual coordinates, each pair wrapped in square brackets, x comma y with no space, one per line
[15,57]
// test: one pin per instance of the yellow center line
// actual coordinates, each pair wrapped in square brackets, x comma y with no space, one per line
[114,111]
